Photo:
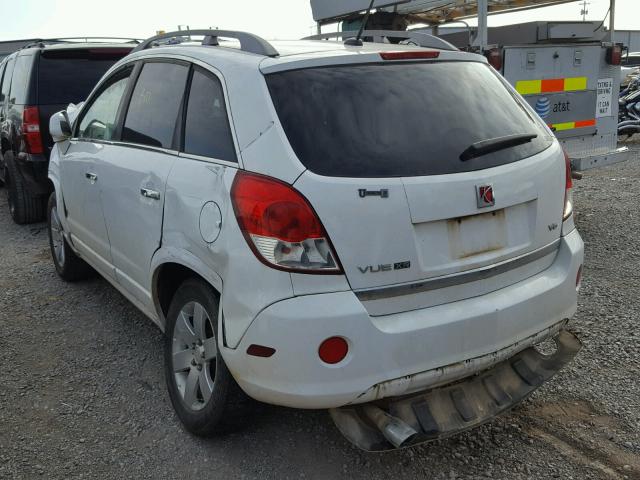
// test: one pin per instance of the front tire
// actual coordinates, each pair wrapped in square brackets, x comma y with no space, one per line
[68,265]
[198,380]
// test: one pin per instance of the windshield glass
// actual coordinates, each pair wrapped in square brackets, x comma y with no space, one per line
[400,119]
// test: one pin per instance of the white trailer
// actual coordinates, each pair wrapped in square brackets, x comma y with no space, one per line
[568,71]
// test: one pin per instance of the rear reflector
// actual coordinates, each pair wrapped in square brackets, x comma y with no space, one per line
[333,350]
[31,130]
[260,351]
[409,55]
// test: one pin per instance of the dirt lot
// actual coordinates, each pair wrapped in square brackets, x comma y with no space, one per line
[82,393]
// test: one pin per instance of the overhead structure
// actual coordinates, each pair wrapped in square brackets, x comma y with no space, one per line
[422,11]
[431,12]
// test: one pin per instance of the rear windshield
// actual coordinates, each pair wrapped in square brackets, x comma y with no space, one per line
[400,119]
[68,76]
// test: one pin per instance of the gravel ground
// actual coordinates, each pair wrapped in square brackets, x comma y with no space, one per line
[82,392]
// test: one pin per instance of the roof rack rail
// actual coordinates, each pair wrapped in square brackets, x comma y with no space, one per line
[248,42]
[41,42]
[419,38]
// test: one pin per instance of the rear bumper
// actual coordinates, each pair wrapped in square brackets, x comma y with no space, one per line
[442,412]
[622,154]
[401,353]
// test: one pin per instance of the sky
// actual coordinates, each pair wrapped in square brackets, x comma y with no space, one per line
[272,19]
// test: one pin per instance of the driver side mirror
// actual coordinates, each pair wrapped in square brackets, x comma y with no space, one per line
[59,127]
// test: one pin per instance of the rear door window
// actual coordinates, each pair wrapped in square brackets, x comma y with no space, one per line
[99,120]
[207,132]
[6,80]
[20,81]
[68,75]
[155,104]
[400,119]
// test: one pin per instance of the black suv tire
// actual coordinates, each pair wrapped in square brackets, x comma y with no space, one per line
[23,205]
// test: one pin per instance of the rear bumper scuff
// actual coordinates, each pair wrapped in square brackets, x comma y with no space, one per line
[449,410]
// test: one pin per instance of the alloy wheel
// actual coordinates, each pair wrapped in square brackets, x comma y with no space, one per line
[194,353]
[57,237]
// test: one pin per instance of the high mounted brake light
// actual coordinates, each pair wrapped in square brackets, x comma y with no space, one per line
[31,130]
[409,55]
[280,225]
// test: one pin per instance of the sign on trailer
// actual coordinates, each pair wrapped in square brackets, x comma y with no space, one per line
[605,98]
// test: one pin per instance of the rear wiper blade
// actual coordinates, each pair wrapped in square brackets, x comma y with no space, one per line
[495,144]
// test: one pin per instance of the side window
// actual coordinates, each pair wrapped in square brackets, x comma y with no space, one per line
[99,121]
[155,103]
[6,81]
[207,130]
[19,84]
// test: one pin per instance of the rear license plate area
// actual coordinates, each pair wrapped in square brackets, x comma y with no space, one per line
[477,234]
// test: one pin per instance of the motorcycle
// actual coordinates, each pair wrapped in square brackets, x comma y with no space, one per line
[629,110]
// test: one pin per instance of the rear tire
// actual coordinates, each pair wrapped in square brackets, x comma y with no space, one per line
[199,382]
[24,207]
[69,266]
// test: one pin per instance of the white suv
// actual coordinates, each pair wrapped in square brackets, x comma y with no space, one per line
[382,230]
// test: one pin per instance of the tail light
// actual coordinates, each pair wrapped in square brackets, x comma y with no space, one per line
[31,130]
[568,189]
[280,226]
[494,56]
[614,55]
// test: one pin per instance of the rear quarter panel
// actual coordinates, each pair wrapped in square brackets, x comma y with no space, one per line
[246,285]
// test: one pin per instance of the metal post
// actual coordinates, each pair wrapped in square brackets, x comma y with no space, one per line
[612,19]
[482,39]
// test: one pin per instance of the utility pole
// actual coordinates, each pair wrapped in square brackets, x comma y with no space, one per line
[584,12]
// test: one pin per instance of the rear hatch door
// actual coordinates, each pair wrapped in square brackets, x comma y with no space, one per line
[383,145]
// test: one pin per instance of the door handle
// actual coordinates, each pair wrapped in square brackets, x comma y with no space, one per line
[92,177]
[145,192]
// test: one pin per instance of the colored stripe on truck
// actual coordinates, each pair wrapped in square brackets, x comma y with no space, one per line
[552,85]
[558,127]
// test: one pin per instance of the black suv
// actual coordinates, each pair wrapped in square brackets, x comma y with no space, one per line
[35,82]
